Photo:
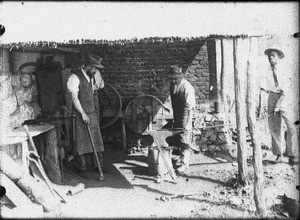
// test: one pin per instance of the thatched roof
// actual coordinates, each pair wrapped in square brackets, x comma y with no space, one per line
[117,22]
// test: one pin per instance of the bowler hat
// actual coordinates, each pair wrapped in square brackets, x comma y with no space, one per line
[276,49]
[175,70]
[94,60]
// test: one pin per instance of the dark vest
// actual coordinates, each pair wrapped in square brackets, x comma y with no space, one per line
[85,93]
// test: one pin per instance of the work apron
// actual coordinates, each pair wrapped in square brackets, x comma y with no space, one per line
[180,117]
[83,142]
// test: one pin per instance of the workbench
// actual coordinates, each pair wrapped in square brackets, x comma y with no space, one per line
[48,147]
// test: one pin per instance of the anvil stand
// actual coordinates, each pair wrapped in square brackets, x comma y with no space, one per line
[159,137]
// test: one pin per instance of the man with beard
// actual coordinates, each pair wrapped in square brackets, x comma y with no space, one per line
[82,85]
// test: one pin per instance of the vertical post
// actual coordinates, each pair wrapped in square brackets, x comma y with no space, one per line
[252,96]
[239,111]
[224,90]
[219,69]
[123,132]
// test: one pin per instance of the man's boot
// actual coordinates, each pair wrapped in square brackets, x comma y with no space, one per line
[183,169]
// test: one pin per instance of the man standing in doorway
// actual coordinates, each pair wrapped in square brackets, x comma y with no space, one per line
[183,103]
[82,85]
[278,84]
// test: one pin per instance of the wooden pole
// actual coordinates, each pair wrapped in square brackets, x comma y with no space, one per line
[38,192]
[123,133]
[252,96]
[239,111]
[224,90]
[18,197]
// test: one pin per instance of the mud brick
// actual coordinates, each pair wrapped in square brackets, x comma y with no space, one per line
[195,62]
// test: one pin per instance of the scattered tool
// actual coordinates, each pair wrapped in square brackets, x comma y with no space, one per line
[101,176]
[144,177]
[44,175]
[39,165]
[181,196]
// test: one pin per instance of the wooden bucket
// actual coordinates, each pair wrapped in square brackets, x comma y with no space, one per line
[156,163]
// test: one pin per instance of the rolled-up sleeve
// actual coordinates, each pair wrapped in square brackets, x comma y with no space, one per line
[99,82]
[73,84]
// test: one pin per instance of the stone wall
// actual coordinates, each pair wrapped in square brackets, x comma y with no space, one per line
[19,98]
[132,69]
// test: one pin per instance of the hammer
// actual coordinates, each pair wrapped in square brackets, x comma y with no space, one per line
[101,176]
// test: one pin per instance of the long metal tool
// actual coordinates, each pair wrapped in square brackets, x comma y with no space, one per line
[40,165]
[101,175]
[48,182]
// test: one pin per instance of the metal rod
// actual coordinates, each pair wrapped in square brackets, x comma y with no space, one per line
[39,164]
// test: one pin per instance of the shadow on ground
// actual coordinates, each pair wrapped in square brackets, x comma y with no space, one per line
[135,164]
[113,179]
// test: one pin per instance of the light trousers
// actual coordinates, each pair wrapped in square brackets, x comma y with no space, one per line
[275,126]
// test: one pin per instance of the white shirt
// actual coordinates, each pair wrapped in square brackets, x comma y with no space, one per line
[284,83]
[73,82]
[186,88]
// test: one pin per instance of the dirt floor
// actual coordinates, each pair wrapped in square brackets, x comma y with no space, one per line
[208,192]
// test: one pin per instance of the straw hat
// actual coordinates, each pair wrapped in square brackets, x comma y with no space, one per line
[276,49]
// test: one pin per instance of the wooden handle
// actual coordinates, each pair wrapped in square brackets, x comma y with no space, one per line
[101,176]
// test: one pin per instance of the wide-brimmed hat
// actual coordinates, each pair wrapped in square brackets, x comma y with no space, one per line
[94,60]
[276,49]
[175,71]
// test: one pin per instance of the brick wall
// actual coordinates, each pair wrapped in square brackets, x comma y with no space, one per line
[139,67]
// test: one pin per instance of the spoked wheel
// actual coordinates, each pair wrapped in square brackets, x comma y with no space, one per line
[147,112]
[109,108]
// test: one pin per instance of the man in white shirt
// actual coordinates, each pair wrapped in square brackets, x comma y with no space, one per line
[278,84]
[183,103]
[82,85]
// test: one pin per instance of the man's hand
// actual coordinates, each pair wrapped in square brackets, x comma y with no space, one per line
[85,118]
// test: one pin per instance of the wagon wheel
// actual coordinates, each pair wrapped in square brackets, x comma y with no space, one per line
[109,108]
[147,112]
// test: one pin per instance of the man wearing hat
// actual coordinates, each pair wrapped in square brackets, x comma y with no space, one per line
[278,85]
[83,84]
[183,103]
